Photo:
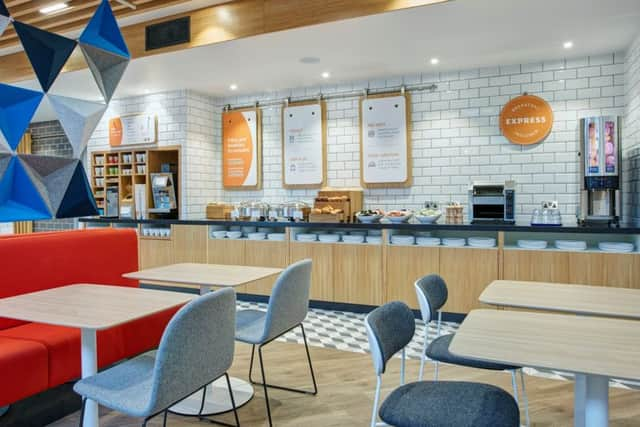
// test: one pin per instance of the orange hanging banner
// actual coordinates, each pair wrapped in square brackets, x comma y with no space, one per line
[241,149]
[526,120]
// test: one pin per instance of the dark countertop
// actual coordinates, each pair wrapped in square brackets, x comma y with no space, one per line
[623,229]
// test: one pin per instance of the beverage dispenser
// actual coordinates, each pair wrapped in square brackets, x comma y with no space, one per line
[600,163]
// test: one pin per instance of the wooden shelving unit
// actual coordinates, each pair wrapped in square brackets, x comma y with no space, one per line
[127,168]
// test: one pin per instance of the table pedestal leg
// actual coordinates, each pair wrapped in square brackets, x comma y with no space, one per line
[579,397]
[217,400]
[89,367]
[596,408]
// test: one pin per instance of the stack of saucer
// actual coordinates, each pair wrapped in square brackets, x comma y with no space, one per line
[329,238]
[454,241]
[428,241]
[571,245]
[532,244]
[400,239]
[616,247]
[482,242]
[276,236]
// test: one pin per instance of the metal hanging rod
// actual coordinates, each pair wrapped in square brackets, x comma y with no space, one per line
[334,95]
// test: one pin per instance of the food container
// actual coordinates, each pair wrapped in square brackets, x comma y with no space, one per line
[398,217]
[296,210]
[428,215]
[369,216]
[276,213]
[253,211]
[454,213]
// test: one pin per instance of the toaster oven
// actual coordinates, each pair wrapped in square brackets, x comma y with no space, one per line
[492,203]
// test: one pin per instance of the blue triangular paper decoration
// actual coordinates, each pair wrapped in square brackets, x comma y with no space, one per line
[20,200]
[78,200]
[103,32]
[17,107]
[3,9]
[48,52]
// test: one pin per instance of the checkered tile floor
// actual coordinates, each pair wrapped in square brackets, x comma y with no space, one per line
[342,330]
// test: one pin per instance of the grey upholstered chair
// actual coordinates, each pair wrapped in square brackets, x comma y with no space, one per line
[196,348]
[429,403]
[288,307]
[432,295]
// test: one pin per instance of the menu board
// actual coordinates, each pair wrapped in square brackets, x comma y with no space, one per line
[133,129]
[384,142]
[303,146]
[241,149]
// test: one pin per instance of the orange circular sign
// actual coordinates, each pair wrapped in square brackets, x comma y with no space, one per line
[526,120]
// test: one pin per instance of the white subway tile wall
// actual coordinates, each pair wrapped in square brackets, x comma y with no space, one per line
[631,133]
[454,129]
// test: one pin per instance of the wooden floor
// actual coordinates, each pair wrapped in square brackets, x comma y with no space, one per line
[346,383]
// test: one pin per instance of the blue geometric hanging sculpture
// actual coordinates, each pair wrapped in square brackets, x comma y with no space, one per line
[47,52]
[78,199]
[17,107]
[107,68]
[3,9]
[103,32]
[20,199]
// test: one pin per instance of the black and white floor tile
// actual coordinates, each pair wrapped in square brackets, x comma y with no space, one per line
[342,330]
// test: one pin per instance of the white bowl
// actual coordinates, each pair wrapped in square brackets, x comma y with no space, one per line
[219,234]
[454,241]
[428,219]
[276,236]
[428,241]
[532,244]
[616,247]
[398,219]
[234,234]
[574,245]
[257,236]
[329,238]
[352,239]
[368,219]
[482,242]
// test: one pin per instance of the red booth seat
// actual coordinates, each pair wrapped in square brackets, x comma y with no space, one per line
[34,356]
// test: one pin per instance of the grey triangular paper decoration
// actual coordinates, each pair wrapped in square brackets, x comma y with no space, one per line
[4,145]
[4,162]
[78,119]
[106,67]
[4,23]
[54,173]
[38,182]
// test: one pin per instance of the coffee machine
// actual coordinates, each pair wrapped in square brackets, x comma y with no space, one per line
[600,171]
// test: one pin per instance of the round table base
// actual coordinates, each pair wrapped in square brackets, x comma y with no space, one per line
[217,400]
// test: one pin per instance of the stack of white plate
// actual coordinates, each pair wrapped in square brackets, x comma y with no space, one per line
[307,237]
[400,239]
[376,240]
[257,236]
[219,234]
[427,241]
[532,244]
[352,239]
[454,241]
[374,233]
[276,236]
[572,245]
[234,234]
[616,247]
[482,242]
[329,238]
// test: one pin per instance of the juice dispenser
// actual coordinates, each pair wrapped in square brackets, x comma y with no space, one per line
[600,161]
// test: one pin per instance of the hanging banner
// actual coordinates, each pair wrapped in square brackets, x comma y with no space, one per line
[384,141]
[241,151]
[133,129]
[526,120]
[303,146]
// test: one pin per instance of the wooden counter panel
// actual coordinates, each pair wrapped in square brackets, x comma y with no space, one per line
[227,252]
[405,265]
[357,273]
[467,272]
[189,243]
[322,271]
[155,253]
[618,270]
[538,266]
[265,254]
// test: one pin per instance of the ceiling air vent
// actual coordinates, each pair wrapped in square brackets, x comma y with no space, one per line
[169,33]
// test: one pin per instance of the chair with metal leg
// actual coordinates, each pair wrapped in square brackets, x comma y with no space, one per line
[429,403]
[287,309]
[432,295]
[196,348]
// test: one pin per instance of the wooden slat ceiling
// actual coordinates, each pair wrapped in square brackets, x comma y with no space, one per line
[75,17]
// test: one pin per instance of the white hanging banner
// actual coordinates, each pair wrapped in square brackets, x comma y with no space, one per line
[303,153]
[384,141]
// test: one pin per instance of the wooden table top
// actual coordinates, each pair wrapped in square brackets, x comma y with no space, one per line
[579,344]
[89,306]
[579,299]
[196,275]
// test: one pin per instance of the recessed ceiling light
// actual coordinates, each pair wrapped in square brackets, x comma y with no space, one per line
[567,44]
[434,61]
[53,8]
[326,75]
[233,86]
[309,60]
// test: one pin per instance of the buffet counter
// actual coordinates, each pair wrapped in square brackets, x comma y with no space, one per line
[379,262]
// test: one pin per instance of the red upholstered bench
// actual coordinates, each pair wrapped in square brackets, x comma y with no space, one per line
[34,356]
